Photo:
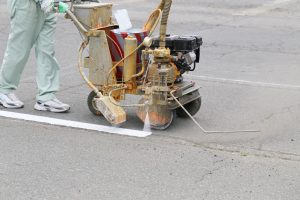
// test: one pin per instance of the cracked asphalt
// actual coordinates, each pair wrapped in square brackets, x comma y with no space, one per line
[249,74]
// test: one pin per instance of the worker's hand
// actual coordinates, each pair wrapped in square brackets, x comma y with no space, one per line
[47,6]
[62,7]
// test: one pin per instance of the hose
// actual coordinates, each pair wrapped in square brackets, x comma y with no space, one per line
[161,5]
[164,23]
[80,66]
[205,131]
[143,67]
[135,50]
[115,44]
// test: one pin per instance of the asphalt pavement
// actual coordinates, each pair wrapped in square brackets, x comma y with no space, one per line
[249,77]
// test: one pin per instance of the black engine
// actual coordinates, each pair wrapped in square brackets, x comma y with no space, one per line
[185,49]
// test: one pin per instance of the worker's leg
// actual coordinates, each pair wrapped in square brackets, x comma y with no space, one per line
[21,39]
[47,66]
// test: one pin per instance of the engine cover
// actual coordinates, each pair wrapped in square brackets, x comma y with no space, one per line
[180,43]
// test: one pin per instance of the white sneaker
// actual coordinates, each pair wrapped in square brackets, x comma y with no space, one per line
[53,105]
[10,101]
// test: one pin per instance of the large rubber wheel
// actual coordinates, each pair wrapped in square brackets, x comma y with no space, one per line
[193,107]
[92,104]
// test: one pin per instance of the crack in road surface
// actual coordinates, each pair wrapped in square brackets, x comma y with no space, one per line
[235,149]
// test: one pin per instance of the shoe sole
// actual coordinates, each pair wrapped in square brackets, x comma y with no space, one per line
[5,105]
[49,109]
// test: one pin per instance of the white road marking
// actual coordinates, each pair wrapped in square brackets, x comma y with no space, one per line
[243,82]
[74,124]
[127,2]
[264,8]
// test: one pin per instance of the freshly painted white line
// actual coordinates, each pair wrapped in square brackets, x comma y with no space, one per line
[243,82]
[263,9]
[74,124]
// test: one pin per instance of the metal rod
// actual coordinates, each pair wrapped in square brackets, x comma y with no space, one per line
[77,22]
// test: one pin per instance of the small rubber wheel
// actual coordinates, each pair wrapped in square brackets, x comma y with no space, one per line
[167,125]
[92,104]
[193,107]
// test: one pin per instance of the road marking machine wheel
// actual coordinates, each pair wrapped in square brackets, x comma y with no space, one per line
[91,101]
[158,117]
[192,107]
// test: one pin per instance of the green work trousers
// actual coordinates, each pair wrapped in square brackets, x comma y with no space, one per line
[30,27]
